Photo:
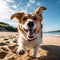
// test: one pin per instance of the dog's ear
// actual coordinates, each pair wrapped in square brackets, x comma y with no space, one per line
[39,11]
[17,15]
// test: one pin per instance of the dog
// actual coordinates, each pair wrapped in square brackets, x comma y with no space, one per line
[30,30]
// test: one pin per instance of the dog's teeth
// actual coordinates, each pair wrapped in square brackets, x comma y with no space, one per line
[30,36]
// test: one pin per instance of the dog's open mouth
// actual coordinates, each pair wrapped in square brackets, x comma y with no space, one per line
[30,33]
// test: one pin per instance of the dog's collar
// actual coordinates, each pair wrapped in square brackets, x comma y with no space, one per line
[33,39]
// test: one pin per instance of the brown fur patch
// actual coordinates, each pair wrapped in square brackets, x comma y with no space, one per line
[20,29]
[38,29]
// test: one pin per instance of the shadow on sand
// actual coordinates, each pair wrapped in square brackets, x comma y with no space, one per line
[53,53]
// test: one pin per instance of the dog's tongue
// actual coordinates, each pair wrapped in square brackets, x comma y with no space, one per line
[30,32]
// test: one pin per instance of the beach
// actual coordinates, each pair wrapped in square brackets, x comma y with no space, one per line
[49,49]
[51,40]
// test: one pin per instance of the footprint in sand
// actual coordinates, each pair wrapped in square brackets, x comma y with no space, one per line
[3,54]
[2,44]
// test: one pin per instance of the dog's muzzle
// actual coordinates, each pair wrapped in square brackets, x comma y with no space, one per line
[30,33]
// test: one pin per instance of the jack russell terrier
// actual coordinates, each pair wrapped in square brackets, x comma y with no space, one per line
[30,30]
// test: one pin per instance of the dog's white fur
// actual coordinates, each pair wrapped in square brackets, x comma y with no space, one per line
[29,44]
[23,40]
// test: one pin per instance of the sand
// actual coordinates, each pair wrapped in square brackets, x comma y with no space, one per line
[49,49]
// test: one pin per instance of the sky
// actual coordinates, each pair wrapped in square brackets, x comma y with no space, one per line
[51,16]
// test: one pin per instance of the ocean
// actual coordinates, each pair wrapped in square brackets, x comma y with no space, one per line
[52,33]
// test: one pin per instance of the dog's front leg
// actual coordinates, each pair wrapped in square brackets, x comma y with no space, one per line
[21,48]
[35,51]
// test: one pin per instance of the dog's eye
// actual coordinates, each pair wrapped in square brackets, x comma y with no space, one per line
[24,19]
[35,18]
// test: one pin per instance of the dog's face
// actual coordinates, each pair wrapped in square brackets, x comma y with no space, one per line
[29,24]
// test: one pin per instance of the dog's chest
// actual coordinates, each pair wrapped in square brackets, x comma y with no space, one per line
[30,44]
[34,43]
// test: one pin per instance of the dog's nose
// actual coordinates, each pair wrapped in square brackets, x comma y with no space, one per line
[30,24]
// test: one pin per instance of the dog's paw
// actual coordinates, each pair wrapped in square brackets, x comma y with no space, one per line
[21,51]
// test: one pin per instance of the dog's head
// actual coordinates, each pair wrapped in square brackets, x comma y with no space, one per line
[29,24]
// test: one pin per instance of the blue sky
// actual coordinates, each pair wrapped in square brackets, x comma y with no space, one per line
[51,16]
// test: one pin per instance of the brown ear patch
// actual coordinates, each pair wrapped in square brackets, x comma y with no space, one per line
[17,15]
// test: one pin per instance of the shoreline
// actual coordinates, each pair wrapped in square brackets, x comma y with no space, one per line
[56,35]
